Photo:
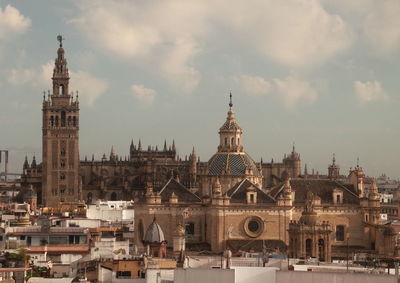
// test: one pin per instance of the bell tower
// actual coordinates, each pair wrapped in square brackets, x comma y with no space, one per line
[60,139]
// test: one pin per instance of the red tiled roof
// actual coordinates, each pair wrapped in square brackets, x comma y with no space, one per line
[59,249]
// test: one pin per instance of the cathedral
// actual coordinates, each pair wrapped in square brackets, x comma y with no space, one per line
[228,202]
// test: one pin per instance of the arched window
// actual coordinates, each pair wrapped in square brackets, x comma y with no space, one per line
[74,123]
[56,123]
[63,118]
[232,141]
[69,121]
[338,199]
[238,142]
[52,121]
[61,90]
[226,141]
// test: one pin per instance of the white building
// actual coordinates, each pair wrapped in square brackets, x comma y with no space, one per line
[113,211]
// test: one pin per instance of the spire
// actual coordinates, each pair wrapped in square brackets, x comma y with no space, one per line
[333,159]
[358,162]
[26,164]
[293,148]
[173,145]
[194,153]
[132,145]
[33,165]
[230,101]
[165,145]
[112,153]
[305,170]
[139,145]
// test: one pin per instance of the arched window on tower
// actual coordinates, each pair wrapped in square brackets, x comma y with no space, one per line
[232,142]
[226,141]
[61,89]
[52,121]
[74,123]
[63,118]
[56,122]
[69,121]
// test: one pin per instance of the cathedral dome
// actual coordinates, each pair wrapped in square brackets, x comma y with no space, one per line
[154,233]
[232,163]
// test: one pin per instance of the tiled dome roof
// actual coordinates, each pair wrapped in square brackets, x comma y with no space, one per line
[154,234]
[233,163]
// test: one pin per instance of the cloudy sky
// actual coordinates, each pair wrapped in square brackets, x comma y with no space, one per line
[323,74]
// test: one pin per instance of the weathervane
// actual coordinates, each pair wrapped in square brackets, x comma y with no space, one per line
[60,39]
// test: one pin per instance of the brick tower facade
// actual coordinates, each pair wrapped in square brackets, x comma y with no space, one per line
[60,178]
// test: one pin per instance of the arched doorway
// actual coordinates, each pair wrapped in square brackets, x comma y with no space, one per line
[309,248]
[321,249]
[113,196]
[89,198]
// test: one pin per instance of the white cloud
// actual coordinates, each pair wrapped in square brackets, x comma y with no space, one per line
[160,35]
[253,85]
[143,94]
[370,91]
[381,27]
[294,90]
[12,21]
[89,86]
[297,33]
[291,90]
[166,36]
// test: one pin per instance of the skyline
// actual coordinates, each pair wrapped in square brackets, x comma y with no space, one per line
[337,96]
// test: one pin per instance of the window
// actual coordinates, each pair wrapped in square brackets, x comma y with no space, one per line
[189,229]
[63,118]
[62,163]
[232,141]
[252,198]
[62,176]
[339,233]
[226,141]
[338,199]
[123,274]
[56,123]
